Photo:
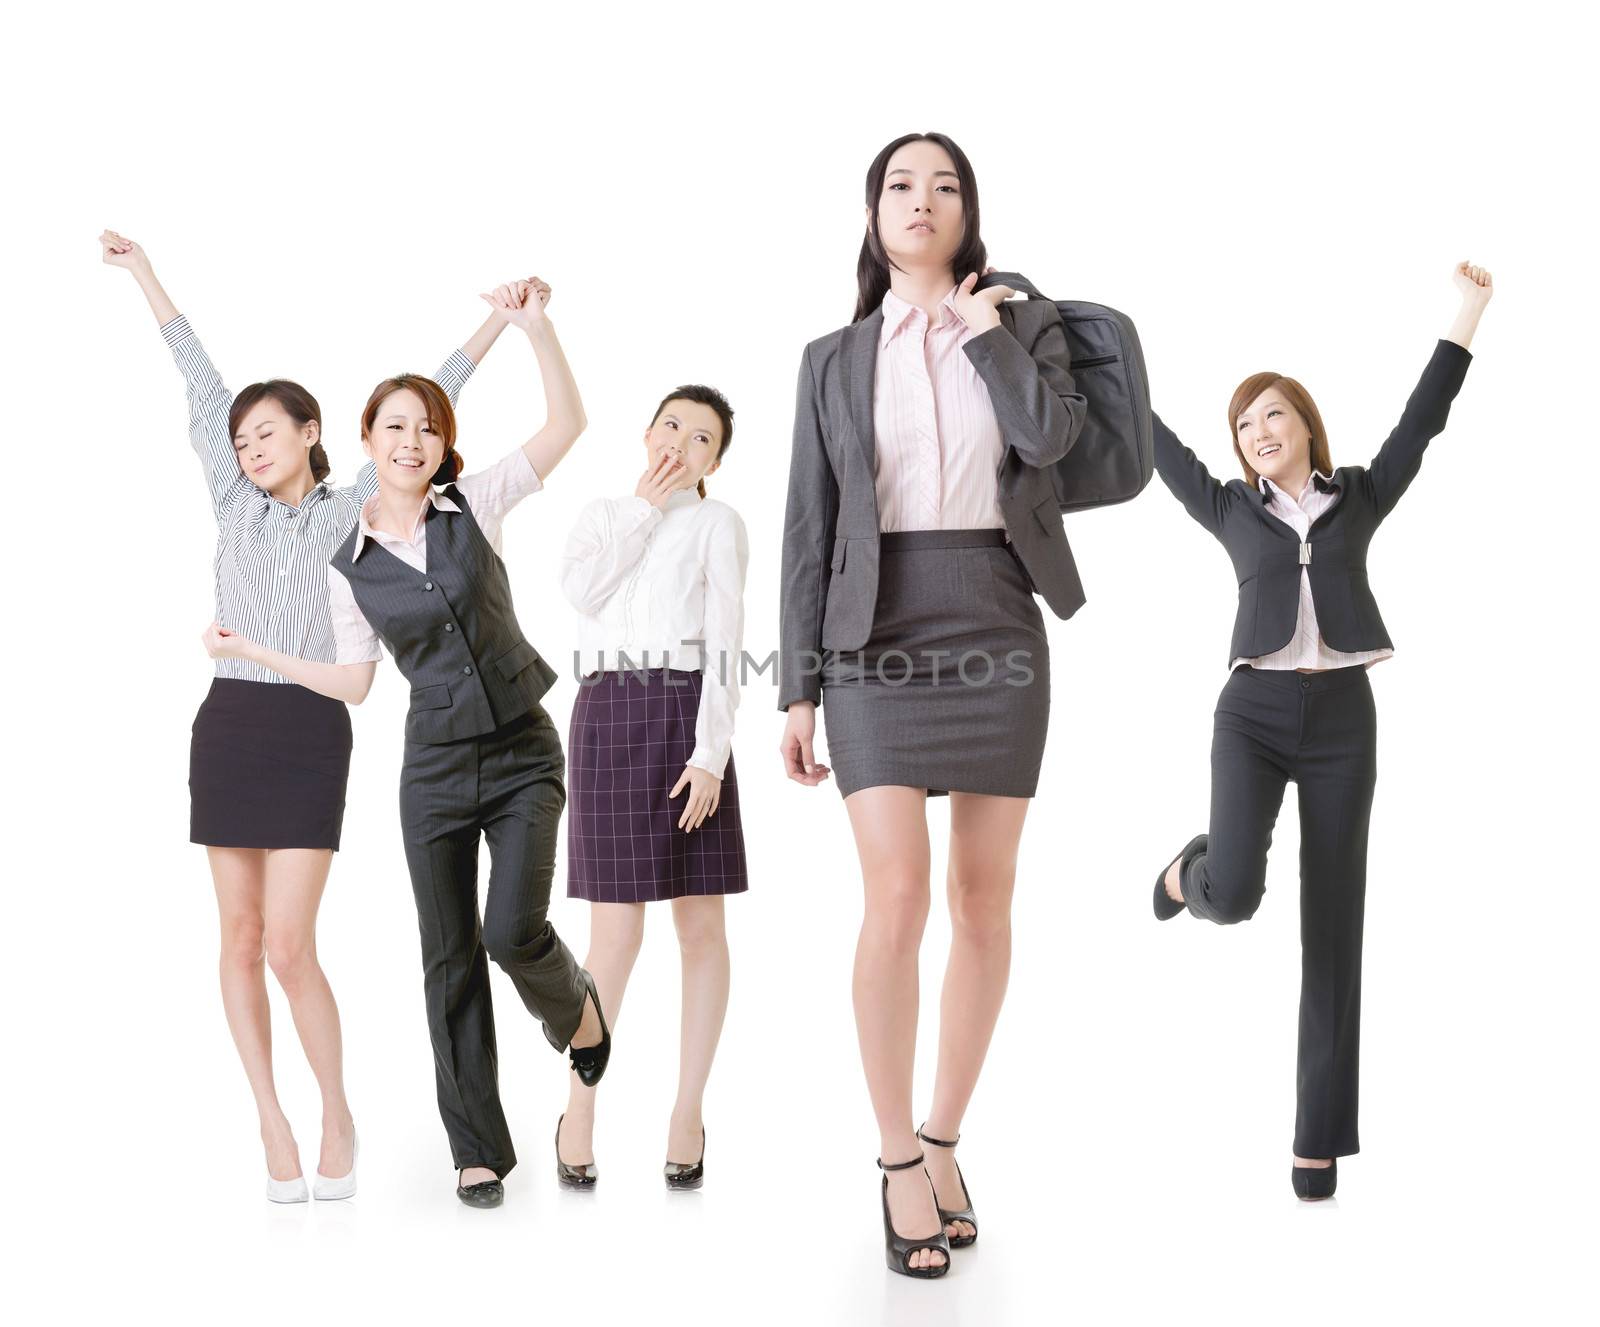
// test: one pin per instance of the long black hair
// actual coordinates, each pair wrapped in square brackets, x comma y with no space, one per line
[872,268]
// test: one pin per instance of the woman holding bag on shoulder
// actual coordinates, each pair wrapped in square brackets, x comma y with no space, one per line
[921,521]
[270,839]
[1297,704]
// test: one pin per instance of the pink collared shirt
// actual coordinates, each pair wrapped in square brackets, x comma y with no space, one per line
[490,493]
[1306,649]
[934,429]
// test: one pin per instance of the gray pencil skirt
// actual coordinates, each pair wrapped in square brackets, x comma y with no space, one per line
[952,692]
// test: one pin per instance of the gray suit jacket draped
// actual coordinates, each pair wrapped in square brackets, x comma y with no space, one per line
[830,534]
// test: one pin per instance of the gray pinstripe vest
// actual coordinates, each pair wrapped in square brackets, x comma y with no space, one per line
[452,629]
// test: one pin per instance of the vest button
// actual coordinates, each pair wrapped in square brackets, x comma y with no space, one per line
[449,626]
[467,670]
[427,585]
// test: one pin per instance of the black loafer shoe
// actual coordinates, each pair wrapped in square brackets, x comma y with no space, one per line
[589,1062]
[580,1179]
[1314,1183]
[1166,907]
[486,1193]
[683,1176]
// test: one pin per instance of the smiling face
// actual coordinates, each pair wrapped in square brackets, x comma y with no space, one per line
[691,432]
[1274,440]
[921,220]
[404,443]
[274,452]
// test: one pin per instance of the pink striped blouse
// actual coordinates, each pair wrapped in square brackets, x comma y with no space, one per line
[937,439]
[1306,649]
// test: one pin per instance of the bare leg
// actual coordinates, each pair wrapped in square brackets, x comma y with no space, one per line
[616,930]
[891,831]
[984,834]
[239,875]
[295,881]
[703,942]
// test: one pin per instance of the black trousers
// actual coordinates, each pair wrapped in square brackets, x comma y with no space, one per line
[1320,730]
[507,787]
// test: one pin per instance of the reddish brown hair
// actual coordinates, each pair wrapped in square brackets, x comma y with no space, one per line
[294,401]
[1298,399]
[441,417]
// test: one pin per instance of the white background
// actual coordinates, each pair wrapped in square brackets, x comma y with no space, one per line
[324,189]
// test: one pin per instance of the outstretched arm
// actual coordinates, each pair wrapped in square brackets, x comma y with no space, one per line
[209,399]
[1191,483]
[1428,409]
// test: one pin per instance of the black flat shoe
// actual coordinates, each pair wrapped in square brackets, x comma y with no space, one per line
[897,1249]
[589,1062]
[1314,1183]
[1168,908]
[964,1214]
[485,1193]
[684,1176]
[580,1179]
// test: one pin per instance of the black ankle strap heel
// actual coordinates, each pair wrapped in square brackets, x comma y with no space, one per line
[897,1248]
[964,1214]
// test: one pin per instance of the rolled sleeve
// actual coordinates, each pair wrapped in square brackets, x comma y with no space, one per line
[354,640]
[493,492]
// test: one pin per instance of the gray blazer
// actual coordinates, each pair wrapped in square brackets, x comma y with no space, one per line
[830,532]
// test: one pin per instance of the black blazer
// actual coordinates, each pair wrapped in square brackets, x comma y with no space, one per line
[1267,553]
[830,534]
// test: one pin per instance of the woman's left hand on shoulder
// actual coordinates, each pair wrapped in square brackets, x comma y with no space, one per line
[705,793]
[980,311]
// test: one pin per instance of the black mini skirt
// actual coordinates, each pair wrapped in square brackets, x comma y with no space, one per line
[268,766]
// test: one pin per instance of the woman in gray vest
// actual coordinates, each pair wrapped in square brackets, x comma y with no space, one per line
[921,521]
[422,574]
[1297,704]
[269,839]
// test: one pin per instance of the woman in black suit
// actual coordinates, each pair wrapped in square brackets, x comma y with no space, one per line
[1297,704]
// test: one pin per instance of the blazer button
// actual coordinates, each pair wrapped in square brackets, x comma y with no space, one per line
[467,670]
[427,585]
[449,626]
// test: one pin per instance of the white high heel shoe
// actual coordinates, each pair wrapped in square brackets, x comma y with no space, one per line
[287,1191]
[330,1190]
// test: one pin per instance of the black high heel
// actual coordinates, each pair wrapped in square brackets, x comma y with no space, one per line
[1314,1183]
[485,1193]
[589,1062]
[897,1249]
[682,1176]
[1167,907]
[580,1179]
[966,1213]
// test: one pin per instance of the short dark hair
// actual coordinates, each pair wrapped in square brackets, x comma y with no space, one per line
[298,403]
[700,394]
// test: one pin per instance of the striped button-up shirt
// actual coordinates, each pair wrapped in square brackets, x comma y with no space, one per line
[1306,649]
[272,558]
[937,439]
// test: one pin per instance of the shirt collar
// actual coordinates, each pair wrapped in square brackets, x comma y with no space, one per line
[440,500]
[897,312]
[1269,489]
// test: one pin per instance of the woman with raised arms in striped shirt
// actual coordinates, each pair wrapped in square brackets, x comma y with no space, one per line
[269,759]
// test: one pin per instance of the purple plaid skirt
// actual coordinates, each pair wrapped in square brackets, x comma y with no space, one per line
[632,734]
